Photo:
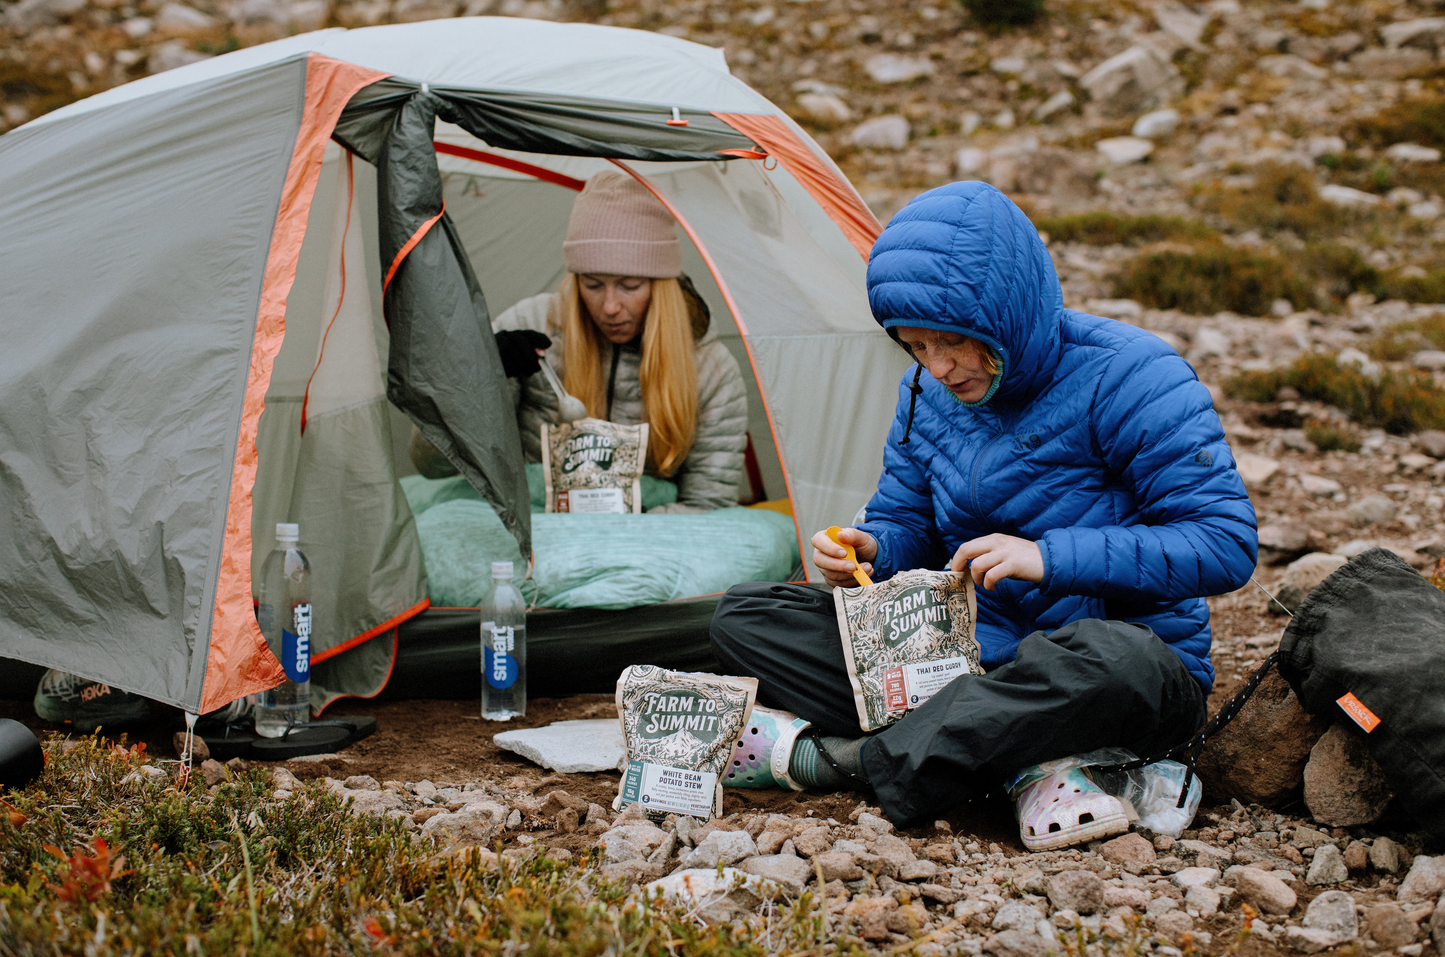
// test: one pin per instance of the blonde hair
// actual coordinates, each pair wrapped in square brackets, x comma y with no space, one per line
[668,373]
[988,357]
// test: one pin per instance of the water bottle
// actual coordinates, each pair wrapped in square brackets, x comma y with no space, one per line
[284,614]
[504,648]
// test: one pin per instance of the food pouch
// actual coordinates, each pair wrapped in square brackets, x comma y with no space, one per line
[594,466]
[904,639]
[679,729]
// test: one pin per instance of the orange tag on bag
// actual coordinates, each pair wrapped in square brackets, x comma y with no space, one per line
[1356,709]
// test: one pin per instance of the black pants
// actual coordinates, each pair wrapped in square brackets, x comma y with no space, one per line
[1090,684]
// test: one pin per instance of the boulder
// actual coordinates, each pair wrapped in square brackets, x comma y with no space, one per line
[823,108]
[1426,33]
[1328,867]
[1308,571]
[1319,485]
[1334,913]
[1343,784]
[1081,891]
[1122,150]
[1425,881]
[1283,541]
[1264,891]
[1255,469]
[1016,943]
[1260,756]
[1372,510]
[1156,125]
[1132,82]
[1390,927]
[881,133]
[788,872]
[569,747]
[892,68]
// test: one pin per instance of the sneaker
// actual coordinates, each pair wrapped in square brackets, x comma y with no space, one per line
[1060,808]
[87,705]
[761,757]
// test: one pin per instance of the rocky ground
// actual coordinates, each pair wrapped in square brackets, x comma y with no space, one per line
[1202,112]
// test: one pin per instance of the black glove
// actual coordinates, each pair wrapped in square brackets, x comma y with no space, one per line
[518,349]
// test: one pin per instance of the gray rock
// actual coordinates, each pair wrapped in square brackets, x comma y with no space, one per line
[474,824]
[1377,63]
[1132,82]
[1390,927]
[618,850]
[1203,900]
[1307,940]
[1260,756]
[28,14]
[1437,926]
[1194,877]
[1343,784]
[790,873]
[1130,852]
[1174,924]
[838,866]
[1426,33]
[645,837]
[918,871]
[1157,125]
[1372,510]
[1132,897]
[1319,485]
[881,133]
[892,68]
[1183,23]
[824,108]
[1307,572]
[1016,943]
[1264,891]
[1283,541]
[1081,891]
[172,55]
[179,18]
[894,850]
[1253,468]
[1291,67]
[1425,881]
[362,782]
[703,885]
[1057,103]
[569,747]
[1123,150]
[1432,359]
[1328,867]
[1334,913]
[1385,855]
[1431,442]
[1202,854]
[370,802]
[720,847]
[1016,915]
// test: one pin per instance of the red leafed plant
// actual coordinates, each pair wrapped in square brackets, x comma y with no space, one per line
[89,875]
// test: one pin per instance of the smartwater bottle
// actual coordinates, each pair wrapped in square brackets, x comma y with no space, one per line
[284,614]
[504,648]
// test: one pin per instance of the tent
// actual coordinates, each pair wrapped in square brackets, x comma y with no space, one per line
[286,249]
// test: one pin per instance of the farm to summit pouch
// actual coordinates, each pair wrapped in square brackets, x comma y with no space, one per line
[594,466]
[679,729]
[904,639]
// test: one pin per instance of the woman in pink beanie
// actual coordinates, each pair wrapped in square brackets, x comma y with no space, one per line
[629,335]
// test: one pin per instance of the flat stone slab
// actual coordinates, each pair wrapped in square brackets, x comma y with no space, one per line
[569,747]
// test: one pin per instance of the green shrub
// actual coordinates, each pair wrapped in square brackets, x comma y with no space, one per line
[1338,271]
[1399,402]
[1329,436]
[1419,120]
[1108,229]
[1427,288]
[1403,339]
[1004,13]
[1281,197]
[1210,279]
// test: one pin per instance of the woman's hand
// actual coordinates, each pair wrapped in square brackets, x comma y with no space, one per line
[832,560]
[993,558]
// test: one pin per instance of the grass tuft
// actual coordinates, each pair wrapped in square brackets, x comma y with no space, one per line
[141,867]
[1404,339]
[1330,436]
[1281,197]
[1399,402]
[1417,120]
[1209,279]
[1109,229]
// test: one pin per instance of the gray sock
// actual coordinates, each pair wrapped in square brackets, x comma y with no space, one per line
[808,768]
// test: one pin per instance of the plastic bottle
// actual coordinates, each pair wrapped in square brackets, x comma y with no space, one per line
[504,648]
[284,614]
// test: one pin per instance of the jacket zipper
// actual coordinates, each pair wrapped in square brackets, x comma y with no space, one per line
[612,379]
[973,481]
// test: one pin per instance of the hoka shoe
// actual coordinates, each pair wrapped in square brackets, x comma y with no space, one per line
[761,757]
[1060,808]
[87,705]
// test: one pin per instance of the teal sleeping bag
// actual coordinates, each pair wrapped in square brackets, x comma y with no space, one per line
[595,561]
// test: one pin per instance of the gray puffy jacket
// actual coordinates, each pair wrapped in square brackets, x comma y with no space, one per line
[709,477]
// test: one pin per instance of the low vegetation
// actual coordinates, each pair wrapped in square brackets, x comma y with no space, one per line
[1404,339]
[97,859]
[1000,13]
[1331,436]
[1211,278]
[1415,120]
[1279,197]
[1110,229]
[1401,402]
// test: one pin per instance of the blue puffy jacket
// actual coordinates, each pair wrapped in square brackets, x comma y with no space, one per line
[1099,443]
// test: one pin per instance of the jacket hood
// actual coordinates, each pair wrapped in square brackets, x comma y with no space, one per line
[963,258]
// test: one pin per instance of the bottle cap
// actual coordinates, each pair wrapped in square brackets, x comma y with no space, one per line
[501,569]
[288,532]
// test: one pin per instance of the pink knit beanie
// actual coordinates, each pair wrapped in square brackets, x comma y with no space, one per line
[619,228]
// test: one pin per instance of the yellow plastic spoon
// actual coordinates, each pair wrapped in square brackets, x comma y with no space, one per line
[858,571]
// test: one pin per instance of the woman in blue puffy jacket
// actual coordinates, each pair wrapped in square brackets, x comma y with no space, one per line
[1075,466]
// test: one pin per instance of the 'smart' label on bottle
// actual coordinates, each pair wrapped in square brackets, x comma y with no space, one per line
[499,666]
[669,790]
[296,646]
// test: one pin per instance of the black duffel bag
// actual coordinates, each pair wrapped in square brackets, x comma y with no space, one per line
[1368,643]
